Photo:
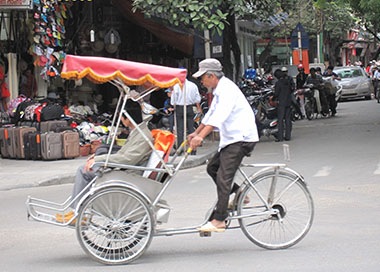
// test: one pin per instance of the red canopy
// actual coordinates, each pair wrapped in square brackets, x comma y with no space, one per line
[101,70]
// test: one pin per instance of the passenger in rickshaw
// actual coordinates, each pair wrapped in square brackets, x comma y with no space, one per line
[135,151]
[232,115]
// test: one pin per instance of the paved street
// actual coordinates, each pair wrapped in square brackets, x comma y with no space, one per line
[339,158]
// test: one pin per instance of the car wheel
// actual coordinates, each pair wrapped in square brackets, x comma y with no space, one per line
[368,97]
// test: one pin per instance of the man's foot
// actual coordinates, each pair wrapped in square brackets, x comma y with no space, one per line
[213,226]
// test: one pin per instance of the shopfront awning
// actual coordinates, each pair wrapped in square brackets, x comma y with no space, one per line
[183,42]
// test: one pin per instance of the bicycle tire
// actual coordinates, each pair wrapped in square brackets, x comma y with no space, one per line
[115,225]
[378,96]
[292,201]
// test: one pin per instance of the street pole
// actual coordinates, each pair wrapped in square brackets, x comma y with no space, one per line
[299,45]
[318,48]
[207,44]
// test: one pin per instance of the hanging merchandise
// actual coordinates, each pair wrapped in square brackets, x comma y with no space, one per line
[49,35]
[112,41]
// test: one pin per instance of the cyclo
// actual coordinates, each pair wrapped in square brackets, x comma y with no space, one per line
[119,212]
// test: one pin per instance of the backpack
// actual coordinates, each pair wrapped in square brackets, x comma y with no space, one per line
[14,103]
[29,114]
[52,112]
[20,111]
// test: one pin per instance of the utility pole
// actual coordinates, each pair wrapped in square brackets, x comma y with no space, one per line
[207,44]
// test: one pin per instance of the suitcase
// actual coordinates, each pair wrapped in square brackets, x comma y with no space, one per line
[18,138]
[52,125]
[32,145]
[10,144]
[62,129]
[51,146]
[4,142]
[70,142]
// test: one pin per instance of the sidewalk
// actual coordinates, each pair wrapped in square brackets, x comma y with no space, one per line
[15,174]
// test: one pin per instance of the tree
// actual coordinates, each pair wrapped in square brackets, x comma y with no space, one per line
[218,16]
[331,18]
[369,13]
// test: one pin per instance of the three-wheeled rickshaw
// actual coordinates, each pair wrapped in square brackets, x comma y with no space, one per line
[120,211]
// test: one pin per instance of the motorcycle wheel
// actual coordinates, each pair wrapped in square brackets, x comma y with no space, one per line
[309,110]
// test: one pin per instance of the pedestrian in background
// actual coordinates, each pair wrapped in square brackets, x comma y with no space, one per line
[169,109]
[283,94]
[181,98]
[300,82]
[232,115]
[331,89]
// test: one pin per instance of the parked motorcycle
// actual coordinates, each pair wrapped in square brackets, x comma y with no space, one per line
[268,126]
[162,120]
[311,109]
[265,113]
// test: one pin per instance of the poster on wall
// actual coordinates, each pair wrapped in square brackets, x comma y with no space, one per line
[16,4]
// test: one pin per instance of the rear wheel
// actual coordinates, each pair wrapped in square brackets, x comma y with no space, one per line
[284,218]
[115,225]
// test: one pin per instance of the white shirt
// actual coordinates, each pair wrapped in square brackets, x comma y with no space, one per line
[376,75]
[189,95]
[231,113]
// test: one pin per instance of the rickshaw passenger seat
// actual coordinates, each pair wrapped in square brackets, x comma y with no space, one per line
[163,143]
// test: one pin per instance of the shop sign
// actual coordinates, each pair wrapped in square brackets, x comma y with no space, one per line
[16,4]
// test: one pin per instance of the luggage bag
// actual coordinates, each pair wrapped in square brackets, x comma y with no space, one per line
[18,138]
[46,126]
[4,142]
[32,145]
[70,142]
[10,144]
[51,146]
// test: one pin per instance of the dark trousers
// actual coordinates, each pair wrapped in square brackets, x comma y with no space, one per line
[222,168]
[180,124]
[284,118]
[324,101]
[332,103]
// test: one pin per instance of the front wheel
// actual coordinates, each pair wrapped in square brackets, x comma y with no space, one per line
[280,212]
[115,225]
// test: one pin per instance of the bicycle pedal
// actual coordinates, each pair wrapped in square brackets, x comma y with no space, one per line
[205,234]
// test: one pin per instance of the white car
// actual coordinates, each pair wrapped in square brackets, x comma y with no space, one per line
[355,82]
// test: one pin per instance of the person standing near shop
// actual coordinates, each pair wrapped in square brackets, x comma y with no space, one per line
[232,115]
[283,93]
[188,96]
[28,83]
[4,91]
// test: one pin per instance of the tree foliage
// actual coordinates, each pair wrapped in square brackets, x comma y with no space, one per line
[369,13]
[332,17]
[206,14]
